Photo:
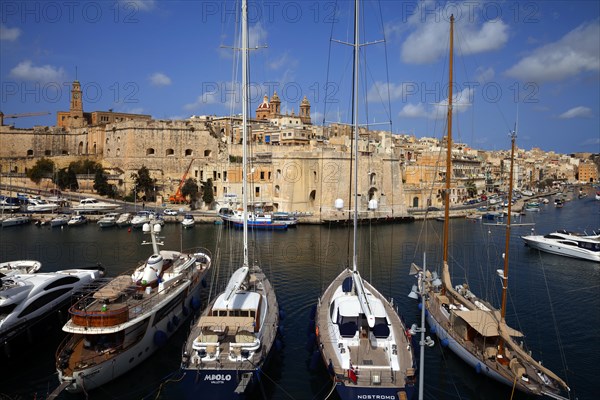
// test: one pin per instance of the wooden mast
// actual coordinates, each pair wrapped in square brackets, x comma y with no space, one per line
[504,277]
[449,148]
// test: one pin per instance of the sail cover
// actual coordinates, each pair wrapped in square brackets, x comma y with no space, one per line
[484,323]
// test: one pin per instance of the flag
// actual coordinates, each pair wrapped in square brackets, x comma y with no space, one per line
[352,374]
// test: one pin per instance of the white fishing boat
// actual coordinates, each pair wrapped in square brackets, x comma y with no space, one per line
[19,267]
[568,244]
[26,299]
[92,205]
[471,327]
[16,220]
[77,220]
[108,220]
[228,346]
[360,336]
[119,326]
[188,221]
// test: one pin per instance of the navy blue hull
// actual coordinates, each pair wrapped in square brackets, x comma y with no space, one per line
[213,384]
[351,392]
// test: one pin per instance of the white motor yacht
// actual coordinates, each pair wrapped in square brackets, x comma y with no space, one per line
[17,220]
[569,244]
[19,267]
[108,220]
[76,220]
[41,206]
[94,205]
[123,323]
[25,299]
[188,221]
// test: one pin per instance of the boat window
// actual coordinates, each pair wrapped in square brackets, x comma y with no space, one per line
[7,309]
[253,314]
[67,280]
[43,300]
[331,310]
[222,313]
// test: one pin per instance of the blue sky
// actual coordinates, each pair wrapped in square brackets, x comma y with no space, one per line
[540,59]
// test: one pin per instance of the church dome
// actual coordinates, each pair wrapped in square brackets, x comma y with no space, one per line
[265,103]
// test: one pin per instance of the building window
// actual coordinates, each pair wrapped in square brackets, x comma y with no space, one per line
[225,176]
[207,153]
[150,151]
[257,191]
[118,152]
[262,175]
[188,152]
[170,152]
[277,190]
[29,153]
[47,152]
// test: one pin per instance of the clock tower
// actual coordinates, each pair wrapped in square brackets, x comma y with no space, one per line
[76,108]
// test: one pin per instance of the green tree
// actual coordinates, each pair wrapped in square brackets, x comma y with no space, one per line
[471,188]
[66,179]
[145,183]
[208,195]
[43,168]
[190,188]
[101,184]
[85,166]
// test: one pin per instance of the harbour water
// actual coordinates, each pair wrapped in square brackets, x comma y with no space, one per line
[554,300]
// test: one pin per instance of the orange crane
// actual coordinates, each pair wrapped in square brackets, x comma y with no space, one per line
[178,198]
[29,114]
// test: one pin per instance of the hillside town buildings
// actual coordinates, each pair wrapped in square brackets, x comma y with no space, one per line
[296,166]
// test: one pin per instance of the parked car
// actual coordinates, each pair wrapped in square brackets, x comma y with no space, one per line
[168,211]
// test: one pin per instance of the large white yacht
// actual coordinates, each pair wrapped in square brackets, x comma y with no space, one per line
[26,299]
[20,267]
[124,322]
[565,243]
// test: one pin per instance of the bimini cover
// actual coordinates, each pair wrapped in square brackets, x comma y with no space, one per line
[484,323]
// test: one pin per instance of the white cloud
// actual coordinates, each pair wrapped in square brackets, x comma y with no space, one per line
[284,60]
[160,79]
[257,35]
[379,91]
[430,37]
[576,52]
[26,71]
[413,111]
[9,34]
[484,75]
[460,103]
[577,112]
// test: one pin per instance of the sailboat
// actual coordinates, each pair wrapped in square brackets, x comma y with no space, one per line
[232,340]
[471,327]
[359,333]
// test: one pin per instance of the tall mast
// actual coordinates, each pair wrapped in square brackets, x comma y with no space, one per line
[513,136]
[355,123]
[449,146]
[245,46]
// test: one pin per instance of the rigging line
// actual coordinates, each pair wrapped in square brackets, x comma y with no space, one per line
[328,66]
[271,379]
[553,314]
[332,390]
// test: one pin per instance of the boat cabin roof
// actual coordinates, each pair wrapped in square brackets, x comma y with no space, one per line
[349,306]
[241,300]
